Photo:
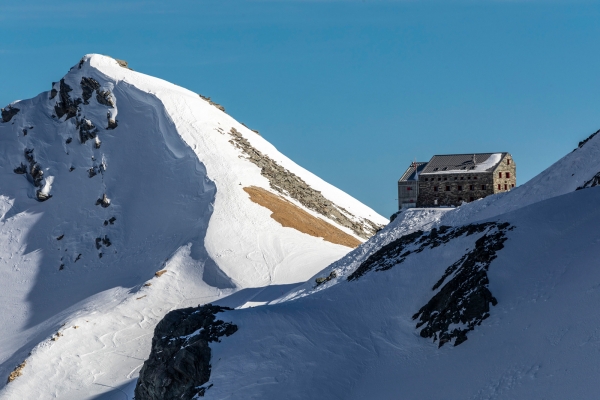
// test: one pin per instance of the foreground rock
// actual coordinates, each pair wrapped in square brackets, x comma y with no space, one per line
[179,363]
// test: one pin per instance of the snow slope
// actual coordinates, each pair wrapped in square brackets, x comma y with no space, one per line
[531,254]
[78,290]
[358,339]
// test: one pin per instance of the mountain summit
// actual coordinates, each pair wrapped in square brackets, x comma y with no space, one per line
[122,197]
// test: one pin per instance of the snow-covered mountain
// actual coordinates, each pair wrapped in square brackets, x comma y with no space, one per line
[123,197]
[493,300]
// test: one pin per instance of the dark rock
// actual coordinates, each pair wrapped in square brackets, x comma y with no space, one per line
[595,181]
[106,241]
[87,130]
[66,105]
[179,362]
[88,85]
[322,280]
[78,257]
[104,201]
[112,123]
[8,113]
[62,266]
[71,169]
[112,220]
[104,98]
[53,94]
[24,132]
[60,237]
[580,145]
[105,222]
[69,140]
[98,243]
[42,196]
[21,169]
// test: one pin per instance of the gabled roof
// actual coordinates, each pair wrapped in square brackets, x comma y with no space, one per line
[409,175]
[463,163]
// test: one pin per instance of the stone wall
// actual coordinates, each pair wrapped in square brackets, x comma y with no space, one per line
[507,165]
[462,187]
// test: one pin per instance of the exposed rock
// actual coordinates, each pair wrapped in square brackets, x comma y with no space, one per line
[53,92]
[112,220]
[160,273]
[123,63]
[60,237]
[69,140]
[112,123]
[41,196]
[21,169]
[212,103]
[87,130]
[580,145]
[104,201]
[595,181]
[288,183]
[97,142]
[18,371]
[322,280]
[179,362]
[104,98]
[88,85]
[8,113]
[66,105]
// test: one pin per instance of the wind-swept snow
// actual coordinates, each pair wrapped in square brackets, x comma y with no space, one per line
[125,175]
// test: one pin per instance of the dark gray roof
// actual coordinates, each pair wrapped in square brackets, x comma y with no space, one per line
[409,175]
[457,163]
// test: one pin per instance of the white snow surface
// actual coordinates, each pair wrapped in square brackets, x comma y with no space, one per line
[357,339]
[175,185]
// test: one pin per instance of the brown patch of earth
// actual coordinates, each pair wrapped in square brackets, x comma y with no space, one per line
[291,216]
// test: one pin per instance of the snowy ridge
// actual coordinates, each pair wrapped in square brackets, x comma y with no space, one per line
[142,177]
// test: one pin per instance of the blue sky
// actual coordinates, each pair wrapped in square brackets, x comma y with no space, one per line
[351,90]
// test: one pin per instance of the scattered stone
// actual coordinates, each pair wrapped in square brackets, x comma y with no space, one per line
[289,184]
[141,297]
[8,113]
[123,63]
[595,181]
[71,169]
[160,273]
[587,139]
[112,123]
[60,237]
[24,132]
[180,359]
[41,196]
[53,93]
[147,284]
[106,241]
[78,257]
[212,103]
[99,255]
[62,266]
[18,371]
[97,142]
[105,222]
[98,243]
[69,140]
[112,220]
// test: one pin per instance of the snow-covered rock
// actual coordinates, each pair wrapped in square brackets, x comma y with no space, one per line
[113,175]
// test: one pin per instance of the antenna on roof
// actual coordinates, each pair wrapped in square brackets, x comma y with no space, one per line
[474,160]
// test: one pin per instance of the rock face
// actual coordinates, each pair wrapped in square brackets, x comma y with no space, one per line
[286,182]
[463,302]
[179,363]
[8,113]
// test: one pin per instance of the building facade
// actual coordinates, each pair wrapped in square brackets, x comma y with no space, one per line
[450,180]
[408,186]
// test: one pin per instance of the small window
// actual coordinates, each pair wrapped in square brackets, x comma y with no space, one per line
[471,198]
[483,187]
[474,177]
[425,179]
[513,185]
[508,174]
[499,174]
[445,179]
[472,187]
[447,188]
[445,168]
[460,199]
[435,188]
[473,167]
[408,188]
[462,178]
[508,161]
[455,178]
[459,188]
[435,169]
[439,179]
[499,187]
[505,186]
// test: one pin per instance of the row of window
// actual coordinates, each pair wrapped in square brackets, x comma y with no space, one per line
[460,188]
[455,178]
[507,174]
[505,186]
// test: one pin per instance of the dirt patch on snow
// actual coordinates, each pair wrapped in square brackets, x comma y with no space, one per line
[292,216]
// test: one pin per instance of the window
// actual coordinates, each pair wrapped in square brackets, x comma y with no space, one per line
[508,161]
[472,187]
[445,168]
[474,177]
[483,187]
[459,188]
[459,200]
[462,178]
[499,174]
[447,188]
[505,186]
[435,169]
[455,178]
[471,198]
[439,179]
[513,185]
[499,187]
[408,188]
[508,174]
[445,179]
[435,188]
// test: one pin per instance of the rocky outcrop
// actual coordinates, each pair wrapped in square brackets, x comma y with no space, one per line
[583,142]
[212,103]
[8,113]
[595,181]
[179,362]
[104,97]
[66,105]
[87,130]
[88,85]
[462,302]
[290,184]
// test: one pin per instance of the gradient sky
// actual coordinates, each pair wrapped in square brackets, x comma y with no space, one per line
[351,90]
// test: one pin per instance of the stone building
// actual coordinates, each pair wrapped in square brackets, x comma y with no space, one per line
[449,180]
[408,186]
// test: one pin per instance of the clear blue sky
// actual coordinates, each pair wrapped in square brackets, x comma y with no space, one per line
[351,90]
